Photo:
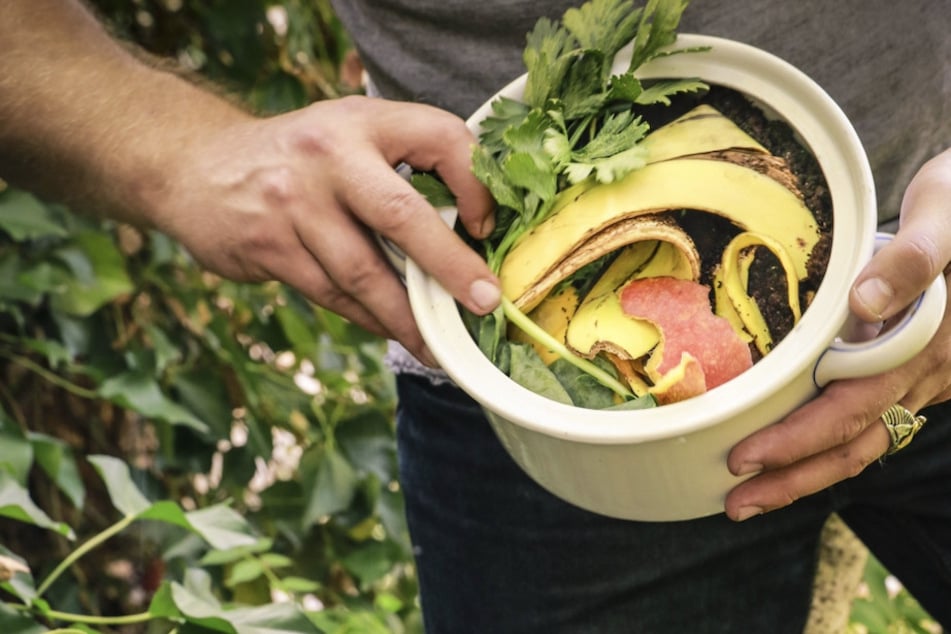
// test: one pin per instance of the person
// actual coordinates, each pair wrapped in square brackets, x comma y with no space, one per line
[291,197]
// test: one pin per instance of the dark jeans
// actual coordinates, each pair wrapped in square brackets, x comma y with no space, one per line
[497,554]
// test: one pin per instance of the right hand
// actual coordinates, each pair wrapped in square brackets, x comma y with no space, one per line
[296,197]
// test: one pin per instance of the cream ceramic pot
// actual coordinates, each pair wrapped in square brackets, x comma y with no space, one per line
[669,463]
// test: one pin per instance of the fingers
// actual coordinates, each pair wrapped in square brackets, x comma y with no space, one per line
[432,139]
[905,267]
[358,283]
[389,205]
[780,487]
[836,417]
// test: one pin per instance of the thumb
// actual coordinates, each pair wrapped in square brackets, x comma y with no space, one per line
[921,249]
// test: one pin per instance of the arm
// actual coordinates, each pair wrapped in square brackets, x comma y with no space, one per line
[838,434]
[290,198]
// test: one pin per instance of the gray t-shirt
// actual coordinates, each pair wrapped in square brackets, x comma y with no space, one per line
[887,64]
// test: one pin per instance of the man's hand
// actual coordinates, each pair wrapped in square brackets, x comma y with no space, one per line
[838,434]
[296,197]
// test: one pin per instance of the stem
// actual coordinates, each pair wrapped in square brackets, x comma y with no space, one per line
[129,619]
[53,378]
[82,550]
[533,330]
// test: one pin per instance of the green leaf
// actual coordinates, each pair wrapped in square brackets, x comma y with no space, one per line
[491,174]
[332,485]
[222,527]
[16,283]
[434,190]
[16,453]
[603,24]
[366,439]
[166,352]
[125,495]
[140,392]
[203,391]
[21,584]
[98,274]
[370,562]
[661,91]
[56,353]
[506,113]
[244,571]
[15,503]
[298,585]
[56,458]
[275,618]
[235,553]
[13,621]
[546,58]
[583,389]
[24,217]
[657,28]
[529,371]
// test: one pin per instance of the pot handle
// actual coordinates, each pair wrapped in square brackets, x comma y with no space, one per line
[900,343]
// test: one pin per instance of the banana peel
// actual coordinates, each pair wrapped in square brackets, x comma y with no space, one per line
[662,250]
[731,293]
[553,315]
[703,129]
[750,199]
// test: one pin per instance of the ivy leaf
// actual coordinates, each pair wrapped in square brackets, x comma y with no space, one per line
[16,576]
[13,621]
[201,609]
[222,527]
[15,503]
[56,459]
[140,392]
[24,217]
[332,483]
[125,495]
[98,274]
[16,452]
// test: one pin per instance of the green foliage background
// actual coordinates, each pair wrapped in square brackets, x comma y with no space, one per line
[179,453]
[270,419]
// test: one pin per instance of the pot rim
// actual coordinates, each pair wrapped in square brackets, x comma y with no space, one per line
[781,89]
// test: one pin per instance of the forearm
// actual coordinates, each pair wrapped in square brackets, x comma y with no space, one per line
[85,122]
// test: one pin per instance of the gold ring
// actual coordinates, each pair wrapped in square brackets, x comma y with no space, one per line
[902,426]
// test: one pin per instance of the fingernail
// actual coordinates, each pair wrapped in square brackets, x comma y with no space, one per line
[485,295]
[746,512]
[748,467]
[487,226]
[875,294]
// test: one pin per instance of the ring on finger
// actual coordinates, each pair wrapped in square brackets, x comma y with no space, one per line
[902,426]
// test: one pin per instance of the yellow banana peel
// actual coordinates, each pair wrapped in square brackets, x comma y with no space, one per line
[600,324]
[751,200]
[731,295]
[701,130]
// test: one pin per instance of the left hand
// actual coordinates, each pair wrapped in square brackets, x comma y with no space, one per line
[837,434]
